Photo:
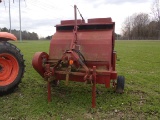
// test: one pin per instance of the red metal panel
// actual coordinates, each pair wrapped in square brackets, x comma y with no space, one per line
[100,20]
[71,22]
[59,44]
[94,45]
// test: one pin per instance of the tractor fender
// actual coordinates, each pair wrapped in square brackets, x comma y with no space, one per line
[5,36]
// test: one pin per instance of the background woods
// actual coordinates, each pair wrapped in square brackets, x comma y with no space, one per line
[142,26]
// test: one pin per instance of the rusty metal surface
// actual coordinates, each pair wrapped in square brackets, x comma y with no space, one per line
[5,36]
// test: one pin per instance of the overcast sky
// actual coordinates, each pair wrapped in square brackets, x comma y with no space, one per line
[41,16]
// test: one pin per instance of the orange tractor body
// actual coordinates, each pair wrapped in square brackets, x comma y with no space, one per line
[11,63]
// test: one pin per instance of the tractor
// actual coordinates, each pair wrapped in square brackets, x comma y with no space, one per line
[11,64]
[83,52]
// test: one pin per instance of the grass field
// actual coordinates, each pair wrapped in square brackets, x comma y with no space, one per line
[138,61]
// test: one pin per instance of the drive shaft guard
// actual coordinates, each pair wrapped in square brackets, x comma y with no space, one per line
[38,61]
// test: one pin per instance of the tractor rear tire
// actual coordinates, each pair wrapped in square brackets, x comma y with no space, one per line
[11,67]
[120,84]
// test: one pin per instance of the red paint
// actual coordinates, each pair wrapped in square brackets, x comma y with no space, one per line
[49,91]
[94,88]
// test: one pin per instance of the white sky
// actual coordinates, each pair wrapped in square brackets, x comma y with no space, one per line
[41,16]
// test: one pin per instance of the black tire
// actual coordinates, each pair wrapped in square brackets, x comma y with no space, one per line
[120,84]
[9,52]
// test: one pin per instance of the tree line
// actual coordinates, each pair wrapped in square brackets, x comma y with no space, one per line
[142,26]
[25,34]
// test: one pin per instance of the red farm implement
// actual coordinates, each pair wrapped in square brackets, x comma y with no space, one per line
[83,52]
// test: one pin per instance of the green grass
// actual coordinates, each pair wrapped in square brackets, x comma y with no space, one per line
[138,61]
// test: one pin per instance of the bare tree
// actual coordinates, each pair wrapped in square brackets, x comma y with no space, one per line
[139,24]
[156,10]
[152,33]
[156,13]
[135,26]
[126,28]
